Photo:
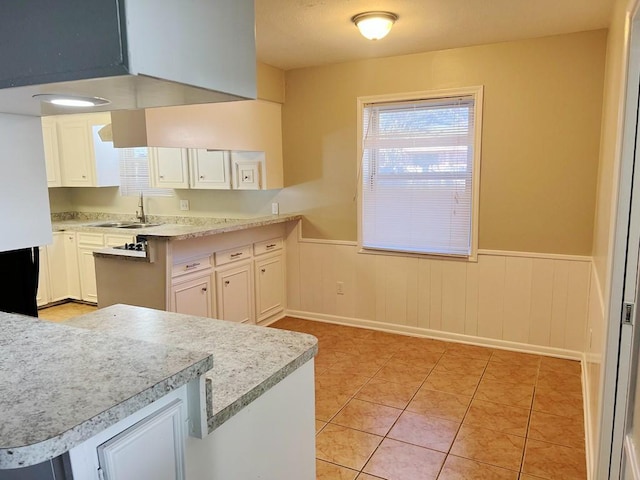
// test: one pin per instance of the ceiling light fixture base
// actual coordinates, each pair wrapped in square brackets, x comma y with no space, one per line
[374,25]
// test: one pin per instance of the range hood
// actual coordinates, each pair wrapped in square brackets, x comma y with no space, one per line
[135,53]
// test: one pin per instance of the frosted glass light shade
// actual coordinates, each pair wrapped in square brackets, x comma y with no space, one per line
[374,25]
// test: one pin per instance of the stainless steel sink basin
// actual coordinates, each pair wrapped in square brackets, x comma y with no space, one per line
[124,224]
[139,225]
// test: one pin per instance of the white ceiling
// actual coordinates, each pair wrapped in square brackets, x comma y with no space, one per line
[301,33]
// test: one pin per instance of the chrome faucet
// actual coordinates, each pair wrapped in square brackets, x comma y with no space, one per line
[140,214]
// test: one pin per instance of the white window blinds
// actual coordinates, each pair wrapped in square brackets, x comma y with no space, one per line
[417,175]
[134,174]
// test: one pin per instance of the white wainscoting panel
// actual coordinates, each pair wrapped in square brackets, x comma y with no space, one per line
[515,298]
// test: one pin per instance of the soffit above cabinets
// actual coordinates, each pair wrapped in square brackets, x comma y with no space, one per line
[135,53]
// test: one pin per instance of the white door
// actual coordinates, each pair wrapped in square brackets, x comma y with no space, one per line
[619,453]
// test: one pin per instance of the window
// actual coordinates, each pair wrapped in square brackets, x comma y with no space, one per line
[420,172]
[134,174]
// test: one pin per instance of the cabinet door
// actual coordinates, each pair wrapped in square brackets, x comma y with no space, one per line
[57,264]
[169,167]
[193,297]
[246,170]
[71,265]
[51,157]
[210,169]
[75,153]
[42,297]
[152,448]
[235,293]
[269,286]
[87,267]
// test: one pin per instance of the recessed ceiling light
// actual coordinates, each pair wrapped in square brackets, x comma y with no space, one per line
[71,100]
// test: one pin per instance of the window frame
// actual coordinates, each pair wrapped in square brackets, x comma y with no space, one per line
[474,91]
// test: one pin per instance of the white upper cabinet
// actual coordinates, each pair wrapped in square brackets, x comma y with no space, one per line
[76,154]
[169,167]
[209,169]
[51,157]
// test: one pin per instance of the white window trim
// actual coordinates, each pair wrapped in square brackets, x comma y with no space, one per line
[477,93]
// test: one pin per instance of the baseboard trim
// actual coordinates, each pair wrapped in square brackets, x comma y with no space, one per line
[632,465]
[439,335]
[586,408]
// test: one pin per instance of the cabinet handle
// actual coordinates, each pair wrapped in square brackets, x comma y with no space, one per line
[271,246]
[234,255]
[226,282]
[191,265]
[262,270]
[161,176]
[204,289]
[201,177]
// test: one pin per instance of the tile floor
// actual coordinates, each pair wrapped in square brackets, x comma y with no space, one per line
[59,313]
[402,408]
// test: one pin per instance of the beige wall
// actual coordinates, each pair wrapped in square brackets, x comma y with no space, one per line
[270,83]
[542,106]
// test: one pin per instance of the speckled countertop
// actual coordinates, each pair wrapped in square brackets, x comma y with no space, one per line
[171,228]
[60,385]
[247,360]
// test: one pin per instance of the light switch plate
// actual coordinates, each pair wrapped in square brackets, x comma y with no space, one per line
[275,208]
[184,204]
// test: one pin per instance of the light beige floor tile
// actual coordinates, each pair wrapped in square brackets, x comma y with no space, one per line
[457,468]
[567,431]
[488,446]
[345,446]
[501,418]
[440,404]
[429,432]
[65,311]
[395,460]
[387,393]
[367,417]
[329,471]
[551,461]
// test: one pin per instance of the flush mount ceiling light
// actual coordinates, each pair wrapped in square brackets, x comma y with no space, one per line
[71,100]
[374,25]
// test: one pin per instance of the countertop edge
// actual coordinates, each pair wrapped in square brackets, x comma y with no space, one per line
[27,455]
[216,420]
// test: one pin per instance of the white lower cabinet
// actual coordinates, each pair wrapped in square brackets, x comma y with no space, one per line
[193,296]
[43,295]
[269,275]
[234,287]
[149,444]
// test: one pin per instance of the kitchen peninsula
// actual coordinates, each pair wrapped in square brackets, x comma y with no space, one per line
[97,376]
[231,269]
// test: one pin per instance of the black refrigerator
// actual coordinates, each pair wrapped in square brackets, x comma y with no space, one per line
[20,269]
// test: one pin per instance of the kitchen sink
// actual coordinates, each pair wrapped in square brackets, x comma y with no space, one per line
[125,224]
[139,225]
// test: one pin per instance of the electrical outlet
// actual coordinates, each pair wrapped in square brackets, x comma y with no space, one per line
[275,208]
[184,204]
[340,288]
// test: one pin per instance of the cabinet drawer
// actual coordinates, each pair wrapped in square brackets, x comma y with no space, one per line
[112,240]
[91,239]
[191,266]
[233,255]
[267,246]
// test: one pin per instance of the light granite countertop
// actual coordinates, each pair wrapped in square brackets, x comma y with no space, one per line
[170,228]
[247,360]
[60,385]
